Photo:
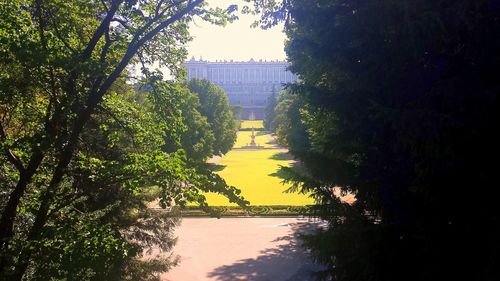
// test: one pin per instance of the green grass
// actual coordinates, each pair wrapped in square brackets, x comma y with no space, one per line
[256,124]
[261,139]
[254,172]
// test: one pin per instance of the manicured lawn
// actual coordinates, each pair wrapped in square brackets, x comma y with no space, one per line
[256,124]
[253,171]
[261,139]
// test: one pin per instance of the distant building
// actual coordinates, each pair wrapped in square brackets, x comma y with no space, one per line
[247,84]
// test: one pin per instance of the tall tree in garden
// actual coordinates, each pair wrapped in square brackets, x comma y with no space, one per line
[269,112]
[237,110]
[59,61]
[211,123]
[215,107]
[398,105]
[101,223]
[197,139]
[287,121]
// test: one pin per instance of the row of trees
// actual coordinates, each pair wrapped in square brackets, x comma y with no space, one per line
[398,104]
[83,152]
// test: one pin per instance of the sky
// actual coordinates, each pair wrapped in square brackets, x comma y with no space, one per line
[237,40]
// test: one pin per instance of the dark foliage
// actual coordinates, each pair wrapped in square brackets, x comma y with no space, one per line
[398,104]
[269,112]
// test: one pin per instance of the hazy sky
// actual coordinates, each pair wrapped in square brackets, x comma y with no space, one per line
[237,40]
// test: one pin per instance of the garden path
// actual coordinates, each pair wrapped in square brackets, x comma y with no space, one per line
[249,249]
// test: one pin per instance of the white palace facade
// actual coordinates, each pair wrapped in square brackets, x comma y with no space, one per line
[248,84]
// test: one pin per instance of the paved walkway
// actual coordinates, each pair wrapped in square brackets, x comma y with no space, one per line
[250,249]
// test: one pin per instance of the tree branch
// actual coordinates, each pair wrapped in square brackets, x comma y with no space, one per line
[101,29]
[166,23]
[158,14]
[105,49]
[94,98]
[122,22]
[13,159]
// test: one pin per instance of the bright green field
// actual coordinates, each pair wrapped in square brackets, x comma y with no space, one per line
[248,124]
[261,139]
[254,172]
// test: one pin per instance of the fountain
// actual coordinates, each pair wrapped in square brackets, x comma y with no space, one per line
[252,143]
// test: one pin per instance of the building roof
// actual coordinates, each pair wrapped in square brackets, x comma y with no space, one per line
[193,60]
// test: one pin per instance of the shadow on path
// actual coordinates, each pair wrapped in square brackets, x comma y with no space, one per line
[281,156]
[286,262]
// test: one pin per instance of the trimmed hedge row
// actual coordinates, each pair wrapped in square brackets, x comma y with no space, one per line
[255,129]
[229,211]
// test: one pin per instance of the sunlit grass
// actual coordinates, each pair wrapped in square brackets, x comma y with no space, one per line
[261,139]
[254,172]
[256,124]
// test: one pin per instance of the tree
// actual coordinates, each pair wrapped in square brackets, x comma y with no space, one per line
[237,110]
[215,107]
[196,139]
[59,63]
[287,122]
[101,224]
[398,104]
[269,112]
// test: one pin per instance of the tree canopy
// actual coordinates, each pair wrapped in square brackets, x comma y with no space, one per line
[82,152]
[397,103]
[269,112]
[196,138]
[214,105]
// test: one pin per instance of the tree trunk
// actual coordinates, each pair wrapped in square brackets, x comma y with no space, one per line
[10,211]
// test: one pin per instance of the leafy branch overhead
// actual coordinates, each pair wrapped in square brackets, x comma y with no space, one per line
[77,139]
